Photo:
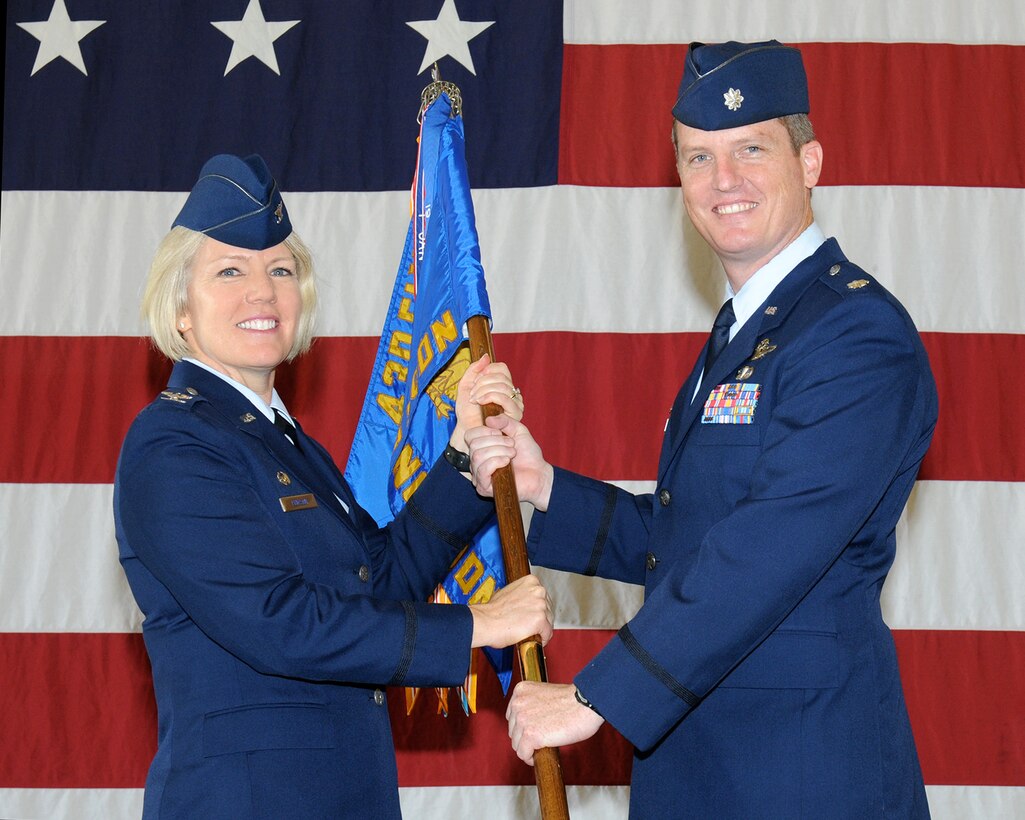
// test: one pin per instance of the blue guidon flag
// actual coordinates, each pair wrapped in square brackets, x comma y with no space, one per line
[409,410]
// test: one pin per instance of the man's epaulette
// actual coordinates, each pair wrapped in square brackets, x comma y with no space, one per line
[847,278]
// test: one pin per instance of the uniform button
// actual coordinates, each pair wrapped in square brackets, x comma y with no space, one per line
[379,697]
[650,560]
[364,573]
[664,498]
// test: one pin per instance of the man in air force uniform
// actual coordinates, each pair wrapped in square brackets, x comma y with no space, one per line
[758,679]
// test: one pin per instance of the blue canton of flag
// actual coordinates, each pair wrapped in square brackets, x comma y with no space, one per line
[409,410]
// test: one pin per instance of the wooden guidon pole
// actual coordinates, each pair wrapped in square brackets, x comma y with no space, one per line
[547,768]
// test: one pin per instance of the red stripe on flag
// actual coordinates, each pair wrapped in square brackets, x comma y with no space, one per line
[104,381]
[78,712]
[958,129]
[967,706]
[455,751]
[979,435]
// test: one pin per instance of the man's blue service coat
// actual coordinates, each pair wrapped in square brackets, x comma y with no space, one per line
[759,679]
[272,633]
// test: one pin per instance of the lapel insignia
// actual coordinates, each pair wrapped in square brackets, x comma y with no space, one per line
[857,283]
[765,347]
[771,310]
[247,418]
[175,396]
[283,478]
[192,391]
[746,372]
[833,271]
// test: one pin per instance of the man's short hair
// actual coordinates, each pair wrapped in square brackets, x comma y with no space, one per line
[799,129]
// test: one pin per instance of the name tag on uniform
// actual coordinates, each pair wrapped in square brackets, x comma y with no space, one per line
[292,503]
[732,403]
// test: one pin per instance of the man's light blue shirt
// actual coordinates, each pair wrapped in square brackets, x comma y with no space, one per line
[764,280]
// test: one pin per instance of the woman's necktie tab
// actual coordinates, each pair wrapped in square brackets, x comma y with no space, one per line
[286,428]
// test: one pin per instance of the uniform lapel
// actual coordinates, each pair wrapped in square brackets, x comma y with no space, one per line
[327,469]
[674,428]
[729,360]
[241,414]
[740,348]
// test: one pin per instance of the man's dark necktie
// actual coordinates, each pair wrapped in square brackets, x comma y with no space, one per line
[720,335]
[286,428]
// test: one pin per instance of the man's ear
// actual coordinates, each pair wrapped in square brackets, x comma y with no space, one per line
[811,163]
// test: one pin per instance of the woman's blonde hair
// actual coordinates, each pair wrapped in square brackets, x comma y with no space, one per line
[167,291]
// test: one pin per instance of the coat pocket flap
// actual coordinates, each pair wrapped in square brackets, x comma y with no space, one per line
[268,726]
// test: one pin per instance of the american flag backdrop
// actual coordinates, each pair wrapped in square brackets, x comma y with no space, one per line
[601,295]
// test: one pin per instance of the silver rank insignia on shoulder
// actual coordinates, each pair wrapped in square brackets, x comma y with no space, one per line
[175,396]
[771,310]
[247,418]
[833,271]
[857,283]
[746,372]
[764,348]
[283,478]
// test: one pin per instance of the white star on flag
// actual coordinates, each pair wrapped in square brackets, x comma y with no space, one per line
[449,36]
[59,36]
[253,36]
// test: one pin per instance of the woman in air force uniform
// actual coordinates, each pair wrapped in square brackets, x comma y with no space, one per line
[276,610]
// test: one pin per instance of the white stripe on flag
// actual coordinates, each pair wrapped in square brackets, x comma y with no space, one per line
[926,244]
[959,563]
[59,570]
[792,21]
[497,802]
[70,804]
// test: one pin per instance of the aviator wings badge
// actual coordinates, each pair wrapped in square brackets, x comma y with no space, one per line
[764,348]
